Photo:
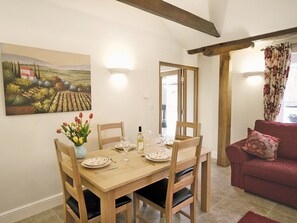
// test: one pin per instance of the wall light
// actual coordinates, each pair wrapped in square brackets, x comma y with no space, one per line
[118,78]
[119,70]
[254,78]
[253,73]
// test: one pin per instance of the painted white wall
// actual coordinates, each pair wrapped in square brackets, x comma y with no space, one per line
[247,99]
[247,92]
[237,19]
[28,166]
[208,100]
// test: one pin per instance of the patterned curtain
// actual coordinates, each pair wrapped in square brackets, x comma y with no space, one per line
[277,66]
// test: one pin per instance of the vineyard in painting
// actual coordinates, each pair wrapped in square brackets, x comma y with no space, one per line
[34,86]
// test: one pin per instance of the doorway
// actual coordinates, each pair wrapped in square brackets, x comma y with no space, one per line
[178,96]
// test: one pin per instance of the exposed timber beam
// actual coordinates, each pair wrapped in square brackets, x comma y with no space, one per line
[217,47]
[217,51]
[225,95]
[173,13]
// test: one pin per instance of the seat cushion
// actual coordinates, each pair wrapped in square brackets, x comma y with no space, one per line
[184,172]
[282,171]
[156,193]
[93,204]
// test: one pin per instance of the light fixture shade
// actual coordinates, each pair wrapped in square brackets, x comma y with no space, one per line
[119,70]
[253,73]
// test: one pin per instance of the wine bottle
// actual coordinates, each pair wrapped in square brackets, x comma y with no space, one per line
[140,141]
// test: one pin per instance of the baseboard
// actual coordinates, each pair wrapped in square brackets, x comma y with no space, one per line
[30,209]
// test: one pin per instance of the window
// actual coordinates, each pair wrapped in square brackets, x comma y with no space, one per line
[288,111]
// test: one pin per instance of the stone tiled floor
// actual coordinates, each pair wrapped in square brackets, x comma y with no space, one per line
[228,205]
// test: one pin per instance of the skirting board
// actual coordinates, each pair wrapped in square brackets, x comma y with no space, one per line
[30,209]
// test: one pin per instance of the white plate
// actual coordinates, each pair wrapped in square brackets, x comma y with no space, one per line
[96,167]
[119,146]
[158,156]
[96,161]
[169,143]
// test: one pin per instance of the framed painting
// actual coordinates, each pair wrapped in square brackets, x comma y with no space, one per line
[44,81]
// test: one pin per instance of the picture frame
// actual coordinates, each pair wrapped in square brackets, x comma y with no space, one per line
[44,81]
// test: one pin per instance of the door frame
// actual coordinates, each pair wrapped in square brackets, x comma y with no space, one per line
[196,83]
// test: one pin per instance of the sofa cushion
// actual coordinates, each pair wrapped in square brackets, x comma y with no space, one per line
[261,145]
[282,171]
[286,132]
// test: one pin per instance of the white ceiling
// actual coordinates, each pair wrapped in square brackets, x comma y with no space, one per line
[234,19]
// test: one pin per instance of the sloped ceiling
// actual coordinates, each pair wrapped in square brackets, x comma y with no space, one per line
[234,19]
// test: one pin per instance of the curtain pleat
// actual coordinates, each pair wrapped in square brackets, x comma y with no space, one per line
[277,66]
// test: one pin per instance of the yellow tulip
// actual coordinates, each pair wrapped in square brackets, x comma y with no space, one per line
[75,139]
[81,140]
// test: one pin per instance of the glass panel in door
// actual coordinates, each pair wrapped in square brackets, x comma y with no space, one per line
[169,104]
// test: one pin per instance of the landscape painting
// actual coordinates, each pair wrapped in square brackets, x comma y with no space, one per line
[44,81]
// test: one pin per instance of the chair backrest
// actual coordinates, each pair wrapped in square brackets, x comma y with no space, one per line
[104,131]
[186,130]
[71,181]
[177,165]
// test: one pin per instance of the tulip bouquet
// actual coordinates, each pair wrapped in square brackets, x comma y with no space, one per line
[78,130]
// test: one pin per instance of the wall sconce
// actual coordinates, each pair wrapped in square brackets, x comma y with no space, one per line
[118,77]
[254,78]
[119,70]
[253,73]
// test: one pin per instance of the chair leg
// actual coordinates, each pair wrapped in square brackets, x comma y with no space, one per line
[135,208]
[128,213]
[193,215]
[68,218]
[168,219]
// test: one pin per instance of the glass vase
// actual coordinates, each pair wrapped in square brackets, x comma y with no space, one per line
[80,151]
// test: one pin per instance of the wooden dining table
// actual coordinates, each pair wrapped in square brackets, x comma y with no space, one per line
[121,177]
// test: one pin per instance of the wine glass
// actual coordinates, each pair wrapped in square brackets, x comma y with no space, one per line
[162,138]
[147,137]
[126,146]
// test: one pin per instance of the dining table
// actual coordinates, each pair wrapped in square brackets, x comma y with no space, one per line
[120,177]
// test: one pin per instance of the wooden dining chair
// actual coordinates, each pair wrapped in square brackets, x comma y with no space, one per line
[186,130]
[169,196]
[81,205]
[105,131]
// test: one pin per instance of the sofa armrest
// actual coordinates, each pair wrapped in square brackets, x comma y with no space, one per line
[236,154]
[237,157]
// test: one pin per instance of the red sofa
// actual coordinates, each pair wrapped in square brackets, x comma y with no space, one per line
[276,180]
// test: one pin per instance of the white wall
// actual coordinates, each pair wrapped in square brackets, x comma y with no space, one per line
[247,100]
[28,166]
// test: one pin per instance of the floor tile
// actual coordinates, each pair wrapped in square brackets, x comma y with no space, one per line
[228,205]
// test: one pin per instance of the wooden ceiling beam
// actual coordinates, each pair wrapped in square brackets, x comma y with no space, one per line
[278,34]
[212,51]
[175,14]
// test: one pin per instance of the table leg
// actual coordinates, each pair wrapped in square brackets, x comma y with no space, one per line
[205,183]
[108,212]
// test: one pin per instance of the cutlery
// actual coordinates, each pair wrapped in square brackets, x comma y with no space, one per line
[114,149]
[111,168]
[112,160]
